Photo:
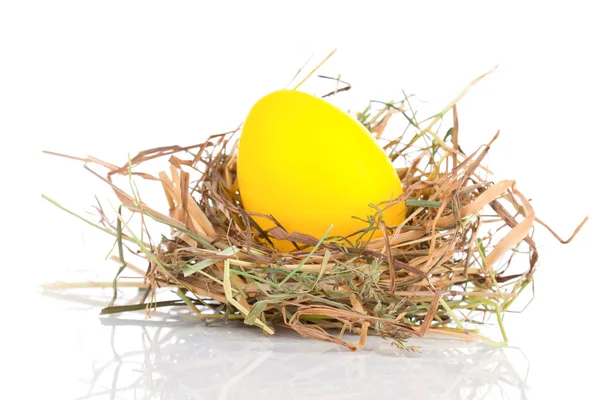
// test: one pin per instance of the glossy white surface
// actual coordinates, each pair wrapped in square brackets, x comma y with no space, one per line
[177,357]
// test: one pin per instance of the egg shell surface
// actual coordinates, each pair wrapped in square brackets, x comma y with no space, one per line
[311,165]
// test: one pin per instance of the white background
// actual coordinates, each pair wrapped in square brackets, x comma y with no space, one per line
[111,78]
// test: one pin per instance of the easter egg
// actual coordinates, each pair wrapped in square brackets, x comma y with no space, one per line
[311,165]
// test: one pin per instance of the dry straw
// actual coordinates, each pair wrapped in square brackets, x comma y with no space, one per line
[449,267]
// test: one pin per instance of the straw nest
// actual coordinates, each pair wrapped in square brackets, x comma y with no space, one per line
[448,268]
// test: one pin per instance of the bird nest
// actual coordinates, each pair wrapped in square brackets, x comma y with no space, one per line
[462,256]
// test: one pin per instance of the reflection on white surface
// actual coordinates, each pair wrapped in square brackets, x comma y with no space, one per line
[177,357]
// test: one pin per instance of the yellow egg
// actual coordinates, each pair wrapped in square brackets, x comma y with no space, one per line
[311,165]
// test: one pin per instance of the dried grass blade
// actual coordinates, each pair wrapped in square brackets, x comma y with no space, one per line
[575,232]
[430,314]
[235,303]
[517,234]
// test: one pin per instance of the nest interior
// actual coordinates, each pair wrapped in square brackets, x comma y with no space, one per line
[446,269]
